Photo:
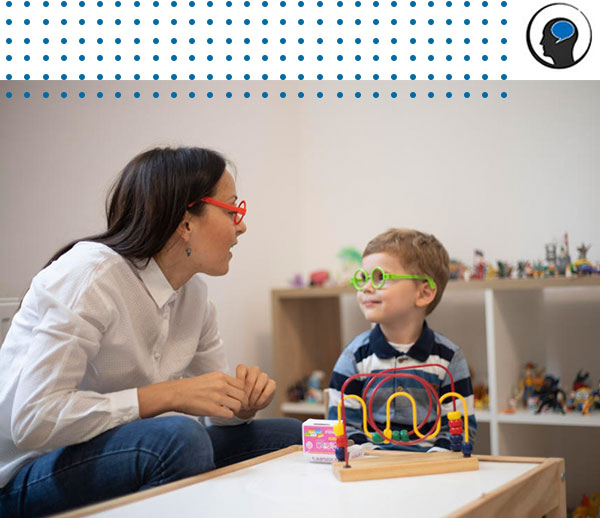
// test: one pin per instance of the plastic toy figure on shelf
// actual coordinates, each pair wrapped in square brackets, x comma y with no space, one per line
[297,281]
[314,393]
[319,278]
[582,261]
[504,270]
[551,396]
[457,269]
[582,396]
[529,384]
[478,265]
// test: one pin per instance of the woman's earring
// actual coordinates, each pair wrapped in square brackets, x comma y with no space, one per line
[188,251]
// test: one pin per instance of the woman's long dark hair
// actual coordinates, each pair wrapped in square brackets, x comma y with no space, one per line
[149,199]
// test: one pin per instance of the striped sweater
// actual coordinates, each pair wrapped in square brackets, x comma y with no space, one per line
[370,352]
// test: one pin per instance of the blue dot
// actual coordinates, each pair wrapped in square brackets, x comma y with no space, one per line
[413,21]
[376,95]
[246,95]
[467,3]
[503,95]
[8,95]
[340,21]
[46,95]
[448,76]
[467,41]
[467,57]
[467,77]
[467,95]
[228,95]
[136,41]
[26,95]
[484,41]
[155,95]
[484,57]
[413,57]
[448,21]
[448,95]
[448,57]
[394,41]
[449,3]
[430,57]
[319,77]
[340,95]
[63,95]
[118,77]
[99,21]
[484,77]
[265,95]
[413,95]
[320,95]
[484,95]
[430,41]
[81,95]
[209,95]
[503,77]
[300,95]
[136,77]
[503,58]
[430,77]
[155,77]
[467,21]
[99,57]
[265,77]
[99,95]
[413,41]
[82,22]
[394,95]
[503,22]
[503,4]
[357,77]
[430,21]
[357,41]
[8,22]
[448,41]
[357,95]
[484,21]
[503,41]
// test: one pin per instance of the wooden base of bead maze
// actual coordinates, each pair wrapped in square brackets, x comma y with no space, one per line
[389,464]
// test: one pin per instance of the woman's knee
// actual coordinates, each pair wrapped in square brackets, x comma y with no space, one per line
[185,447]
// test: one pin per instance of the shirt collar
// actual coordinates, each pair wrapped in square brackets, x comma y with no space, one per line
[156,283]
[420,350]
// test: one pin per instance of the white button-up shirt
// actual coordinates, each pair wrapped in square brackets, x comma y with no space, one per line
[91,330]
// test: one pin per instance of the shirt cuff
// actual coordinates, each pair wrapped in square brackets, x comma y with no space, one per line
[125,406]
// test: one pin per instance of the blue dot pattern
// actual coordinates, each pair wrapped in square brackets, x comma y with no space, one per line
[259,40]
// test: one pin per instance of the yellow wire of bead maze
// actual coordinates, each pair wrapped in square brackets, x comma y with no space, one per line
[401,436]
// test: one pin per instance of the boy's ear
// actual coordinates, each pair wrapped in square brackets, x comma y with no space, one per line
[426,295]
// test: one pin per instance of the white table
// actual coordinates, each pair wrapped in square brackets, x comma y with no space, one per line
[284,484]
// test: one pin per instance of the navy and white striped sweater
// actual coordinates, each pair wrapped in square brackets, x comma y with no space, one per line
[370,352]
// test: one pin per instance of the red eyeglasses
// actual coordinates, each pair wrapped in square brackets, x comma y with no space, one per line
[239,209]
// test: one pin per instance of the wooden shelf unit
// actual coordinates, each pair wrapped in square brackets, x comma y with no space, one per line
[500,325]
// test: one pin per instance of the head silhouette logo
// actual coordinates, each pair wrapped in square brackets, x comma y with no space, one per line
[559,35]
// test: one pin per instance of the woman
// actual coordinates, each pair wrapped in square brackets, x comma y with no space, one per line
[117,329]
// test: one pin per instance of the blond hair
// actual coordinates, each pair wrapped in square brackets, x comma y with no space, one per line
[419,253]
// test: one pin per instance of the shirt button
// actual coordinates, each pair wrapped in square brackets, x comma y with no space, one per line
[157,356]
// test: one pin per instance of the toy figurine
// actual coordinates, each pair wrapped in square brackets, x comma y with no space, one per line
[314,394]
[581,380]
[297,281]
[549,395]
[505,270]
[478,265]
[564,259]
[457,269]
[319,278]
[528,386]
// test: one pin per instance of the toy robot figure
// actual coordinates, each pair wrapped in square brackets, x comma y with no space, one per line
[549,395]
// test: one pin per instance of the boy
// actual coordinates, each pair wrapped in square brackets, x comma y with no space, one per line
[402,280]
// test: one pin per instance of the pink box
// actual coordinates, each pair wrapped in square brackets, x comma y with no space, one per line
[318,440]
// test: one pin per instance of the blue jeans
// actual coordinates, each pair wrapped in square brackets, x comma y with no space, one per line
[137,456]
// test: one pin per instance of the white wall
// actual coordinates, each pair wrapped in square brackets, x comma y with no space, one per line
[506,176]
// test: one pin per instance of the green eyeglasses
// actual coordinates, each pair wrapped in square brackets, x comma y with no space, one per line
[378,277]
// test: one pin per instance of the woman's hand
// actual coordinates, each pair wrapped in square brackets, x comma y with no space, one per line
[215,394]
[259,388]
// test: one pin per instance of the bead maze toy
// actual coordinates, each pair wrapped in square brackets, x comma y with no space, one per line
[390,463]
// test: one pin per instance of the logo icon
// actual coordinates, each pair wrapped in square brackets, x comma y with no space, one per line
[559,35]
